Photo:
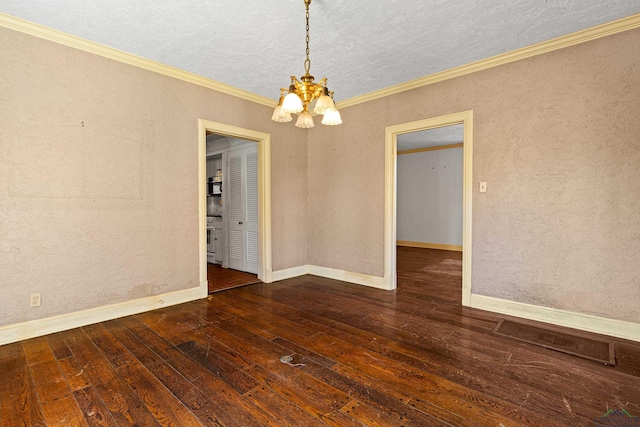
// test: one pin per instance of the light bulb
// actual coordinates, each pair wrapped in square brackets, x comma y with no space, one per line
[332,118]
[305,120]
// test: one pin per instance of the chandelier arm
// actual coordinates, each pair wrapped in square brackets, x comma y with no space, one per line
[319,88]
[297,84]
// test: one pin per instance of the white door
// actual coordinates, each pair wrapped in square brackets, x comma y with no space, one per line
[236,210]
[243,209]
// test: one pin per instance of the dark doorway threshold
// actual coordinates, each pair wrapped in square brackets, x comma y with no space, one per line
[221,279]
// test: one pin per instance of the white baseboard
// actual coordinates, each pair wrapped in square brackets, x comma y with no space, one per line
[330,273]
[584,322]
[290,273]
[35,328]
[347,276]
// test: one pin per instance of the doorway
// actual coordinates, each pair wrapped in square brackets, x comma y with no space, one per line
[232,212]
[465,119]
[429,212]
[257,157]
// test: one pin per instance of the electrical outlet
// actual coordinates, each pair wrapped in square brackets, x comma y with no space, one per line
[35,300]
[483,187]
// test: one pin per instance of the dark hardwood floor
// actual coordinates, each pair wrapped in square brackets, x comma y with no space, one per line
[221,279]
[361,357]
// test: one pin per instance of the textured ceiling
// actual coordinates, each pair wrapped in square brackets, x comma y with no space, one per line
[359,45]
[445,135]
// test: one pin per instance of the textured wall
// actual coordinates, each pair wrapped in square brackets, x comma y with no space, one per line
[346,195]
[429,197]
[98,179]
[557,138]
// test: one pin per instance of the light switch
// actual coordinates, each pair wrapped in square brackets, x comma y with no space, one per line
[483,187]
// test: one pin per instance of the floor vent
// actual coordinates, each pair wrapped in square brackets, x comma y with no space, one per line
[570,343]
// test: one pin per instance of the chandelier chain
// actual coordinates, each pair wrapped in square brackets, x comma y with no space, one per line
[307,62]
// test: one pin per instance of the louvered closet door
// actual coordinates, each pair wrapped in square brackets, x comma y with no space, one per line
[243,209]
[236,210]
[251,204]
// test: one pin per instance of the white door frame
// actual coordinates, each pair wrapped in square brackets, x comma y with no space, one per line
[390,176]
[265,269]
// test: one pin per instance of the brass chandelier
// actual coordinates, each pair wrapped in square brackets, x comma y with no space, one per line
[302,93]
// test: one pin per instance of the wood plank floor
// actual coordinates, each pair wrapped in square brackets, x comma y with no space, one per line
[361,357]
[221,279]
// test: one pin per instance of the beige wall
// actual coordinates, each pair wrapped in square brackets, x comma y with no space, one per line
[557,138]
[98,179]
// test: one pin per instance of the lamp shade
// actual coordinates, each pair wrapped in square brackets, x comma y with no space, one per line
[305,120]
[280,116]
[332,118]
[324,104]
[292,104]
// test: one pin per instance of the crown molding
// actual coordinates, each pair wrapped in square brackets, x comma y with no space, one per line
[610,28]
[56,36]
[607,29]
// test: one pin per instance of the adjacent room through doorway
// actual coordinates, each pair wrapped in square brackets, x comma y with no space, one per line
[429,189]
[232,212]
